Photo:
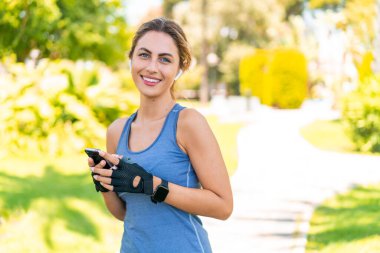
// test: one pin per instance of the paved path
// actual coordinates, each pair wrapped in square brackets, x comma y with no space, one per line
[280,180]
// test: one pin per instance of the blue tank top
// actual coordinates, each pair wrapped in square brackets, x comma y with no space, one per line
[150,227]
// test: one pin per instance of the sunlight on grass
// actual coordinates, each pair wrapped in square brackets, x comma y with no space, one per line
[226,134]
[328,135]
[347,223]
[51,206]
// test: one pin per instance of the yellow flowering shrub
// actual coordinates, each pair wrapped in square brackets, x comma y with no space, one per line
[277,77]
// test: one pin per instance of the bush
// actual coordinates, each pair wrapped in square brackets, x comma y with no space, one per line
[361,115]
[59,106]
[252,71]
[276,80]
[288,78]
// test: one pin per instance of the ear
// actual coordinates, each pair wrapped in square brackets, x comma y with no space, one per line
[178,75]
[130,64]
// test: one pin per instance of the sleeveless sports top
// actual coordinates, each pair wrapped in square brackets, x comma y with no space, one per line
[150,227]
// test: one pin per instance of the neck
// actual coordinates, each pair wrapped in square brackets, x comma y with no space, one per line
[154,109]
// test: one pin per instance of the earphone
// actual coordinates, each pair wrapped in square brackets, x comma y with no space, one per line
[180,72]
[178,75]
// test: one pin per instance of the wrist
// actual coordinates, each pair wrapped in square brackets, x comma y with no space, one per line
[156,182]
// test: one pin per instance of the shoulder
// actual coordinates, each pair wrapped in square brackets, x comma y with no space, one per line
[192,129]
[114,131]
[117,125]
[191,119]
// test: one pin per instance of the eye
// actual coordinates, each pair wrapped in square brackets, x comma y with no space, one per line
[144,55]
[165,60]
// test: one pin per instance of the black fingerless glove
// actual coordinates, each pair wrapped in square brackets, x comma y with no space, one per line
[98,186]
[122,178]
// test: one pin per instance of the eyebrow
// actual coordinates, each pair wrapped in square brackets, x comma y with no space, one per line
[160,54]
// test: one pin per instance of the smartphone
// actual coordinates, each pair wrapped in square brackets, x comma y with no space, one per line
[94,154]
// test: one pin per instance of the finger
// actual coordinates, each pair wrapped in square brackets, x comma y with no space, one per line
[101,179]
[113,159]
[107,186]
[101,171]
[117,156]
[101,164]
[90,162]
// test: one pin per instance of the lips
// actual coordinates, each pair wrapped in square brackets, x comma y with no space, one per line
[150,80]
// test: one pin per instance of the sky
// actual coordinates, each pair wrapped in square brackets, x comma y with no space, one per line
[137,8]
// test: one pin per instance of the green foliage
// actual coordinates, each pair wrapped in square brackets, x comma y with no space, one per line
[292,7]
[91,29]
[361,115]
[59,106]
[347,223]
[190,80]
[324,4]
[167,6]
[226,30]
[273,78]
[230,65]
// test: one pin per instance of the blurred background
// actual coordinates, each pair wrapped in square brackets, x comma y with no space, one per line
[262,71]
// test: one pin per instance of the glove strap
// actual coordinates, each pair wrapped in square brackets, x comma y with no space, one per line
[148,186]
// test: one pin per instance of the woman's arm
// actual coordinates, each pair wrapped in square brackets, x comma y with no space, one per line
[195,137]
[215,199]
[115,205]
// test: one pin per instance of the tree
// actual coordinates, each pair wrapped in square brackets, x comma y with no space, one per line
[167,6]
[245,23]
[92,29]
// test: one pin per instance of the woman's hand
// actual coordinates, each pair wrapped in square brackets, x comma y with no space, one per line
[125,176]
[91,164]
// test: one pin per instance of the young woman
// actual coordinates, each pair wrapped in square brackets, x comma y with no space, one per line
[168,167]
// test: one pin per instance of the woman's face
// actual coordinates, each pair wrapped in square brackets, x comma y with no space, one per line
[155,63]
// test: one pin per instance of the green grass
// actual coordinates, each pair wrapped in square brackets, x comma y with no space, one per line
[328,135]
[346,223]
[226,134]
[50,205]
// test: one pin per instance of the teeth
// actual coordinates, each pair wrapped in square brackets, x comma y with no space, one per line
[151,80]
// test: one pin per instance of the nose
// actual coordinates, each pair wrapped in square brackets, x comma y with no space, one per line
[152,66]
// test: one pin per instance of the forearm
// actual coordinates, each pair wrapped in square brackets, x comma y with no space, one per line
[198,201]
[115,205]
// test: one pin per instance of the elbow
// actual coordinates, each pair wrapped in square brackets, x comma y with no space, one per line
[119,215]
[226,212]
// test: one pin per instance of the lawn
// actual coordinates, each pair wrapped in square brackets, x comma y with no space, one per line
[328,135]
[226,135]
[50,205]
[349,222]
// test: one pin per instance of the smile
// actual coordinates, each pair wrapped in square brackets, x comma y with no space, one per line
[150,80]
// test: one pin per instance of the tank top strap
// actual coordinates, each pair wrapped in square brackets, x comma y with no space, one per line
[170,128]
